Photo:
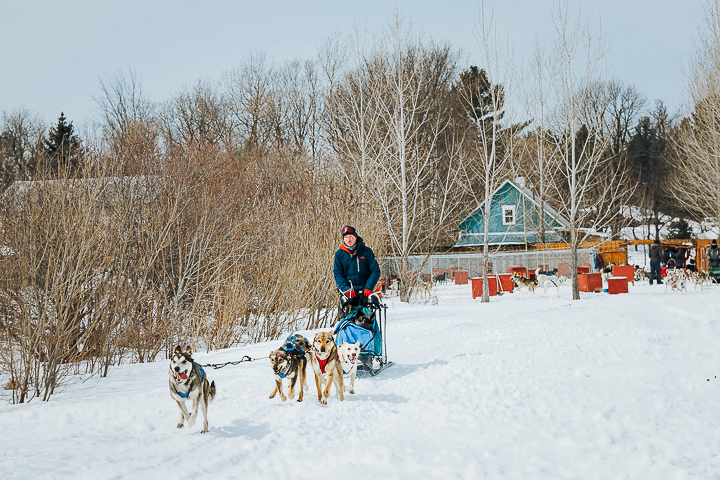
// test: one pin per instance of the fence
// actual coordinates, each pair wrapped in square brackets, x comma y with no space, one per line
[499,262]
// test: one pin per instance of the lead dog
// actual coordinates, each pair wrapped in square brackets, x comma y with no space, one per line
[290,361]
[349,353]
[326,365]
[188,382]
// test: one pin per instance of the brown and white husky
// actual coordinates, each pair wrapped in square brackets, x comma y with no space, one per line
[326,365]
[290,361]
[189,382]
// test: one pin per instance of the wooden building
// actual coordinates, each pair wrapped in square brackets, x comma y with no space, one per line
[515,215]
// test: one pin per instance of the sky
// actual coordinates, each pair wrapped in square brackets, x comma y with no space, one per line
[54,54]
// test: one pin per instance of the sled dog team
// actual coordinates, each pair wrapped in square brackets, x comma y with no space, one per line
[329,362]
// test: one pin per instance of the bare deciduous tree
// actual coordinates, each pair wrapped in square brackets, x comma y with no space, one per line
[251,91]
[696,182]
[415,197]
[490,143]
[130,125]
[588,187]
[197,116]
[21,135]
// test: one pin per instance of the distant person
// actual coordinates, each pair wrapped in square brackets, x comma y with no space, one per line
[655,256]
[665,256]
[680,257]
[713,256]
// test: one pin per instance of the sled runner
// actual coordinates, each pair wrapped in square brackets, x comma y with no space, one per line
[364,321]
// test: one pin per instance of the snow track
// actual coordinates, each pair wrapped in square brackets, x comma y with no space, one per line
[528,386]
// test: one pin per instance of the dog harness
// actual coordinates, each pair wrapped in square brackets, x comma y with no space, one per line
[322,363]
[291,348]
[185,395]
[343,369]
[284,374]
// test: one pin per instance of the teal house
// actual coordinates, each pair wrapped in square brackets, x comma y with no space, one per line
[514,219]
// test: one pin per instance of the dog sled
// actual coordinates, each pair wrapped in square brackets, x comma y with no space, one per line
[363,320]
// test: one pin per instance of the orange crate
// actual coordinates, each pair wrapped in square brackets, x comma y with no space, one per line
[583,269]
[627,271]
[590,282]
[477,286]
[461,277]
[522,271]
[617,285]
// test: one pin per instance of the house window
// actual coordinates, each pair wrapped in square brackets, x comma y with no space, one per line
[508,214]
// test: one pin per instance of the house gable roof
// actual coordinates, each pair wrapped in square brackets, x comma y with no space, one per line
[529,195]
[510,193]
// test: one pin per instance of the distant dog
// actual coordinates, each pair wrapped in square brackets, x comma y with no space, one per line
[441,278]
[607,271]
[554,281]
[423,290]
[546,279]
[639,273]
[349,355]
[676,279]
[188,382]
[699,279]
[326,365]
[290,361]
[520,281]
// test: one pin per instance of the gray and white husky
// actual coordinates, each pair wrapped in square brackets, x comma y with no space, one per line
[188,382]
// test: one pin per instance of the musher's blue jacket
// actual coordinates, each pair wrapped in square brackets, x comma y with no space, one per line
[359,267]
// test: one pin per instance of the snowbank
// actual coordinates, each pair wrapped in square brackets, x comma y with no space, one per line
[527,386]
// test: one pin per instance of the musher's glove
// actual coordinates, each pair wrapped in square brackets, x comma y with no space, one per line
[350,293]
[367,292]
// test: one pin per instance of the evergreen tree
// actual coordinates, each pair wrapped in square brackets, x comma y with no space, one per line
[680,229]
[479,96]
[63,153]
[649,154]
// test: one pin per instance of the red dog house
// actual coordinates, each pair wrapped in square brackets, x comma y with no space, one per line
[627,271]
[617,285]
[477,286]
[505,284]
[590,282]
[461,277]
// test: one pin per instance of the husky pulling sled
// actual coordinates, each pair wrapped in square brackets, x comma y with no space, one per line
[363,319]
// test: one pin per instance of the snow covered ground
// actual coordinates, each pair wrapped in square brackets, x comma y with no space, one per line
[529,386]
